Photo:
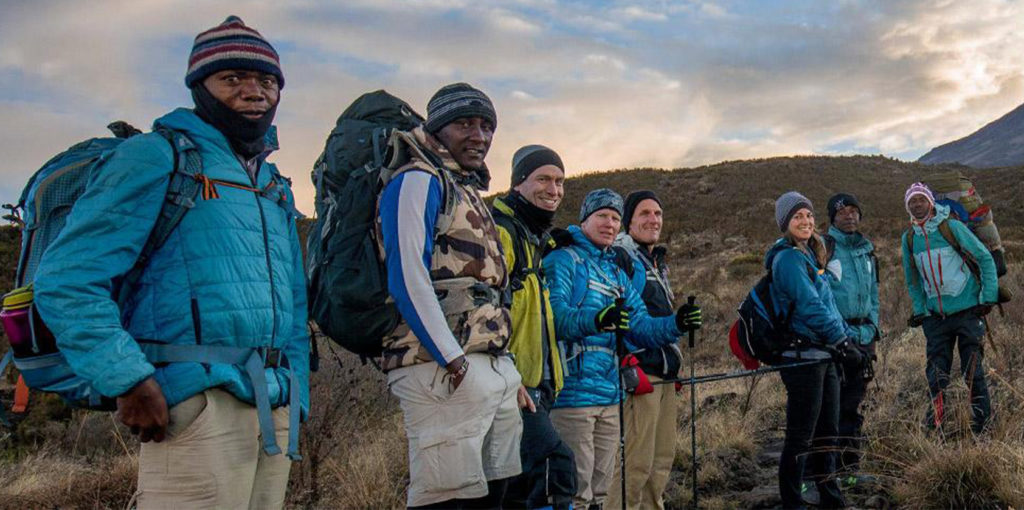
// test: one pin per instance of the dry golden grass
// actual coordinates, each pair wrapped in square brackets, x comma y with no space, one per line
[719,222]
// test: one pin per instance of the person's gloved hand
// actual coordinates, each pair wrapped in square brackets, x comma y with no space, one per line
[849,355]
[689,318]
[916,320]
[612,318]
[984,309]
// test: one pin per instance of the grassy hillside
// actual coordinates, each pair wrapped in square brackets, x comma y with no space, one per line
[719,222]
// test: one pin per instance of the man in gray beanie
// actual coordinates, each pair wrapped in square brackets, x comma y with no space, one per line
[447,360]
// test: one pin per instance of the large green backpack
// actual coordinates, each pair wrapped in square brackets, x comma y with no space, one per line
[348,286]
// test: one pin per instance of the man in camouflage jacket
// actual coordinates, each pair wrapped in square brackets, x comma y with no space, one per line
[447,361]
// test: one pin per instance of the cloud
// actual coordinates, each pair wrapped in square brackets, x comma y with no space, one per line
[606,84]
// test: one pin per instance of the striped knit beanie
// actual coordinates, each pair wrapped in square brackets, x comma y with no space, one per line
[918,188]
[231,45]
[456,101]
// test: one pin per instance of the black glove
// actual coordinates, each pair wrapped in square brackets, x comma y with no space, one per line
[612,318]
[850,356]
[688,318]
[916,320]
[984,309]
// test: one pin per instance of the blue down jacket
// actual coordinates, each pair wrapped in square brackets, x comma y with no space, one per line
[815,316]
[231,274]
[853,276]
[591,378]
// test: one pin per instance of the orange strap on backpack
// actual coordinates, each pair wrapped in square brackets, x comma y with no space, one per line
[20,396]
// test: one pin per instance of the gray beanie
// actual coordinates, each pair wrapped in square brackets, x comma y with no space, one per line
[456,101]
[601,198]
[530,158]
[787,205]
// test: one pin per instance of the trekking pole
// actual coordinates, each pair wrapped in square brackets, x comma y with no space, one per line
[620,347]
[740,373]
[693,410]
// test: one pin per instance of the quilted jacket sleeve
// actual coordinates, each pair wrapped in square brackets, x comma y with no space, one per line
[104,234]
[791,280]
[572,322]
[646,331]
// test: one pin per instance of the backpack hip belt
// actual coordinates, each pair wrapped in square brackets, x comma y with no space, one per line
[254,362]
[459,295]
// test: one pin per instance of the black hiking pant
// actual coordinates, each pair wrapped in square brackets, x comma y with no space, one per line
[965,331]
[549,469]
[852,390]
[812,422]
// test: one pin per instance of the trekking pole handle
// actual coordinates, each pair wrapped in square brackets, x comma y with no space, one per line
[693,334]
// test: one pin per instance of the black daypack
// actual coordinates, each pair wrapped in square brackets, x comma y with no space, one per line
[348,286]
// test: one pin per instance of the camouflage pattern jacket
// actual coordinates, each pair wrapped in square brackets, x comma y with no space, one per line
[446,271]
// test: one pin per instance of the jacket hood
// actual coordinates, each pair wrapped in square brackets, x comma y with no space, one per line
[941,213]
[780,245]
[855,242]
[186,121]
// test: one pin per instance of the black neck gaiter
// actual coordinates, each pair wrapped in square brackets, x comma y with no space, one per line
[536,219]
[245,136]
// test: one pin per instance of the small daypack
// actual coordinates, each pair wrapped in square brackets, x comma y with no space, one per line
[762,333]
[1004,294]
[42,211]
[348,285]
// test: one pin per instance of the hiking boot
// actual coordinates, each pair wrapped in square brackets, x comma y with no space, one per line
[809,493]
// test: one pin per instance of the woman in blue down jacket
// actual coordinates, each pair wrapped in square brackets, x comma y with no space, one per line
[812,392]
[585,282]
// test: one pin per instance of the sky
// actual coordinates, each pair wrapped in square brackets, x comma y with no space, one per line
[606,84]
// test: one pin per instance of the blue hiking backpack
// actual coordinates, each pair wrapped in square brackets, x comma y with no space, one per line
[42,211]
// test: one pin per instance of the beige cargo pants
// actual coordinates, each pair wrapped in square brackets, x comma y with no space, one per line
[212,458]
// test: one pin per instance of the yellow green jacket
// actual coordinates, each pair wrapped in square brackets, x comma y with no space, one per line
[532,318]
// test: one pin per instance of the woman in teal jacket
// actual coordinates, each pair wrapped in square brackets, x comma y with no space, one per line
[796,264]
[230,275]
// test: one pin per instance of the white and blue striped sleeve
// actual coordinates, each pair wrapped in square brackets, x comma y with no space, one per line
[409,208]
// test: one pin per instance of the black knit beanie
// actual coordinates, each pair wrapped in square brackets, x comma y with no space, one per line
[632,200]
[839,201]
[530,158]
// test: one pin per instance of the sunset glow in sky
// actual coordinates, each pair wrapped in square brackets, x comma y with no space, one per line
[606,84]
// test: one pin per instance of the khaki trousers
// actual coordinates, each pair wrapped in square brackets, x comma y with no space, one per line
[593,435]
[213,458]
[650,448]
[459,440]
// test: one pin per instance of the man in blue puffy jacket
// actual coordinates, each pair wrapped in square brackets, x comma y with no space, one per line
[585,283]
[853,272]
[227,283]
[949,300]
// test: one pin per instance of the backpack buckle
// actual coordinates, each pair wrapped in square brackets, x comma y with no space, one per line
[272,358]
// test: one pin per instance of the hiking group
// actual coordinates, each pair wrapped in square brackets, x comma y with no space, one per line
[524,357]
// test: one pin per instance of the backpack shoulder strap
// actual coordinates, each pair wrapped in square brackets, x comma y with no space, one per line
[182,191]
[947,233]
[624,260]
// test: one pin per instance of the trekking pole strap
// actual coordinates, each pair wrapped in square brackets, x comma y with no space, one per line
[252,362]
